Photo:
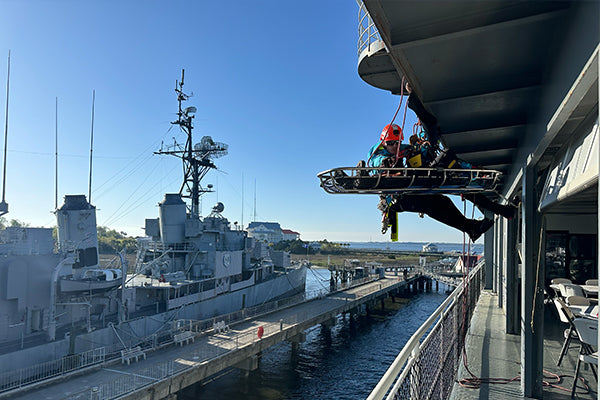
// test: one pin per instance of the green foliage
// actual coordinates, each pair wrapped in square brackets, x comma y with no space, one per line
[333,247]
[293,246]
[391,257]
[111,241]
[13,222]
[298,247]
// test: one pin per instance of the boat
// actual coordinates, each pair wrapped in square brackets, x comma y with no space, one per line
[188,267]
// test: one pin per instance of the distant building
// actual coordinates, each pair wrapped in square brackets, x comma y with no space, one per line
[315,245]
[430,248]
[373,266]
[265,231]
[469,260]
[270,232]
[290,235]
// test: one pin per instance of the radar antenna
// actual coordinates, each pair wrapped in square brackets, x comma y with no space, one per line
[197,159]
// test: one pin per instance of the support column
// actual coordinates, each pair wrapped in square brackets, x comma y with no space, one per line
[500,264]
[496,256]
[532,339]
[512,279]
[488,249]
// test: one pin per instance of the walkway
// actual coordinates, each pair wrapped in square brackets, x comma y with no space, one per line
[167,370]
[491,353]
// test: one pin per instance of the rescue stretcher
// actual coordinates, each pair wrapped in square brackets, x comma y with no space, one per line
[367,180]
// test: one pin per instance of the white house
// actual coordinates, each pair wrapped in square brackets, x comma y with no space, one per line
[290,235]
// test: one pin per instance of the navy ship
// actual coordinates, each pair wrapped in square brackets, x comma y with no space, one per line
[60,301]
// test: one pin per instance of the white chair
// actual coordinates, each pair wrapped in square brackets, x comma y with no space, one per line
[569,289]
[554,285]
[578,301]
[556,281]
[587,329]
[566,316]
[592,282]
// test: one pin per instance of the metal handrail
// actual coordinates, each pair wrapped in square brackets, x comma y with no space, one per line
[50,369]
[401,365]
[367,31]
[219,346]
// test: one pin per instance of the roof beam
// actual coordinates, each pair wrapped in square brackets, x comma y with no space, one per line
[510,24]
[583,83]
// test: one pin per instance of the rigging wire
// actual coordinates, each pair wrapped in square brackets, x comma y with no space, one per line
[150,172]
[138,160]
[140,199]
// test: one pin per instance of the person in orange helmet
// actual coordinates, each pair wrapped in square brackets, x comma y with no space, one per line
[437,206]
[391,152]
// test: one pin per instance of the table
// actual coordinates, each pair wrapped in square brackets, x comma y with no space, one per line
[590,311]
[590,290]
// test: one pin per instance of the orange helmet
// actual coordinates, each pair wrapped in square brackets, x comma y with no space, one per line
[392,132]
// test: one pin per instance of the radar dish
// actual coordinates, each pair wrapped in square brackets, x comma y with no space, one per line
[208,148]
[219,207]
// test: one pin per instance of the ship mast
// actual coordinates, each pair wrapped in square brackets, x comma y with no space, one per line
[196,158]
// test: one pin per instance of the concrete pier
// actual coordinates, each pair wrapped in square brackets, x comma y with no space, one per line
[166,371]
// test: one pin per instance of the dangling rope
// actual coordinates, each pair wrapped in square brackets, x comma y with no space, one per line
[403,118]
[393,119]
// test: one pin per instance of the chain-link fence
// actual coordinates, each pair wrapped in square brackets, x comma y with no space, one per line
[426,367]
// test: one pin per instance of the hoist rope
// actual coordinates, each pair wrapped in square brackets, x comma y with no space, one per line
[392,122]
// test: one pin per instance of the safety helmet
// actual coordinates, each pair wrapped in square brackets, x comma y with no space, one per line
[391,132]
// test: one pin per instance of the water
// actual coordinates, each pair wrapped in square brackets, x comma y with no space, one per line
[343,363]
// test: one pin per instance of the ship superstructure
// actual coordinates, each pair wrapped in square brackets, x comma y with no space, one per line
[185,258]
[59,301]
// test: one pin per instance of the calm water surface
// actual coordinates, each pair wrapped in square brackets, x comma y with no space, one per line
[345,362]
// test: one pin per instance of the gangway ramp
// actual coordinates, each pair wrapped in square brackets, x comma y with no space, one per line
[167,370]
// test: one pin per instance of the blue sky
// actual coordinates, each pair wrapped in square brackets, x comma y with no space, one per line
[276,80]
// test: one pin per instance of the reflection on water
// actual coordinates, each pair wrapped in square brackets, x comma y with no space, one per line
[344,362]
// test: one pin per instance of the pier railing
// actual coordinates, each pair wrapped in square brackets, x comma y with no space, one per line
[219,344]
[51,369]
[426,367]
[164,336]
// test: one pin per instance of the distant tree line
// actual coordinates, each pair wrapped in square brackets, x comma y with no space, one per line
[301,247]
[110,241]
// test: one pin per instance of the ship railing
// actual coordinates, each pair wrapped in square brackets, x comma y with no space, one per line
[427,366]
[367,32]
[35,373]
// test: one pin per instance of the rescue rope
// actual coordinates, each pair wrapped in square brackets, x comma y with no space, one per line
[403,118]
[393,119]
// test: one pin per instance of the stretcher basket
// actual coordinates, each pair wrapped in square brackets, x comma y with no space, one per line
[363,180]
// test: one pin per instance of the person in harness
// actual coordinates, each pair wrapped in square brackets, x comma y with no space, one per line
[424,151]
[437,206]
[446,158]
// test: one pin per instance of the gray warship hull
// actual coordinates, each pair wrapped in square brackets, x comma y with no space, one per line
[55,303]
[133,330]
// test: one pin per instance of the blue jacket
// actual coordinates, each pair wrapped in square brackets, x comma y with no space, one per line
[378,153]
